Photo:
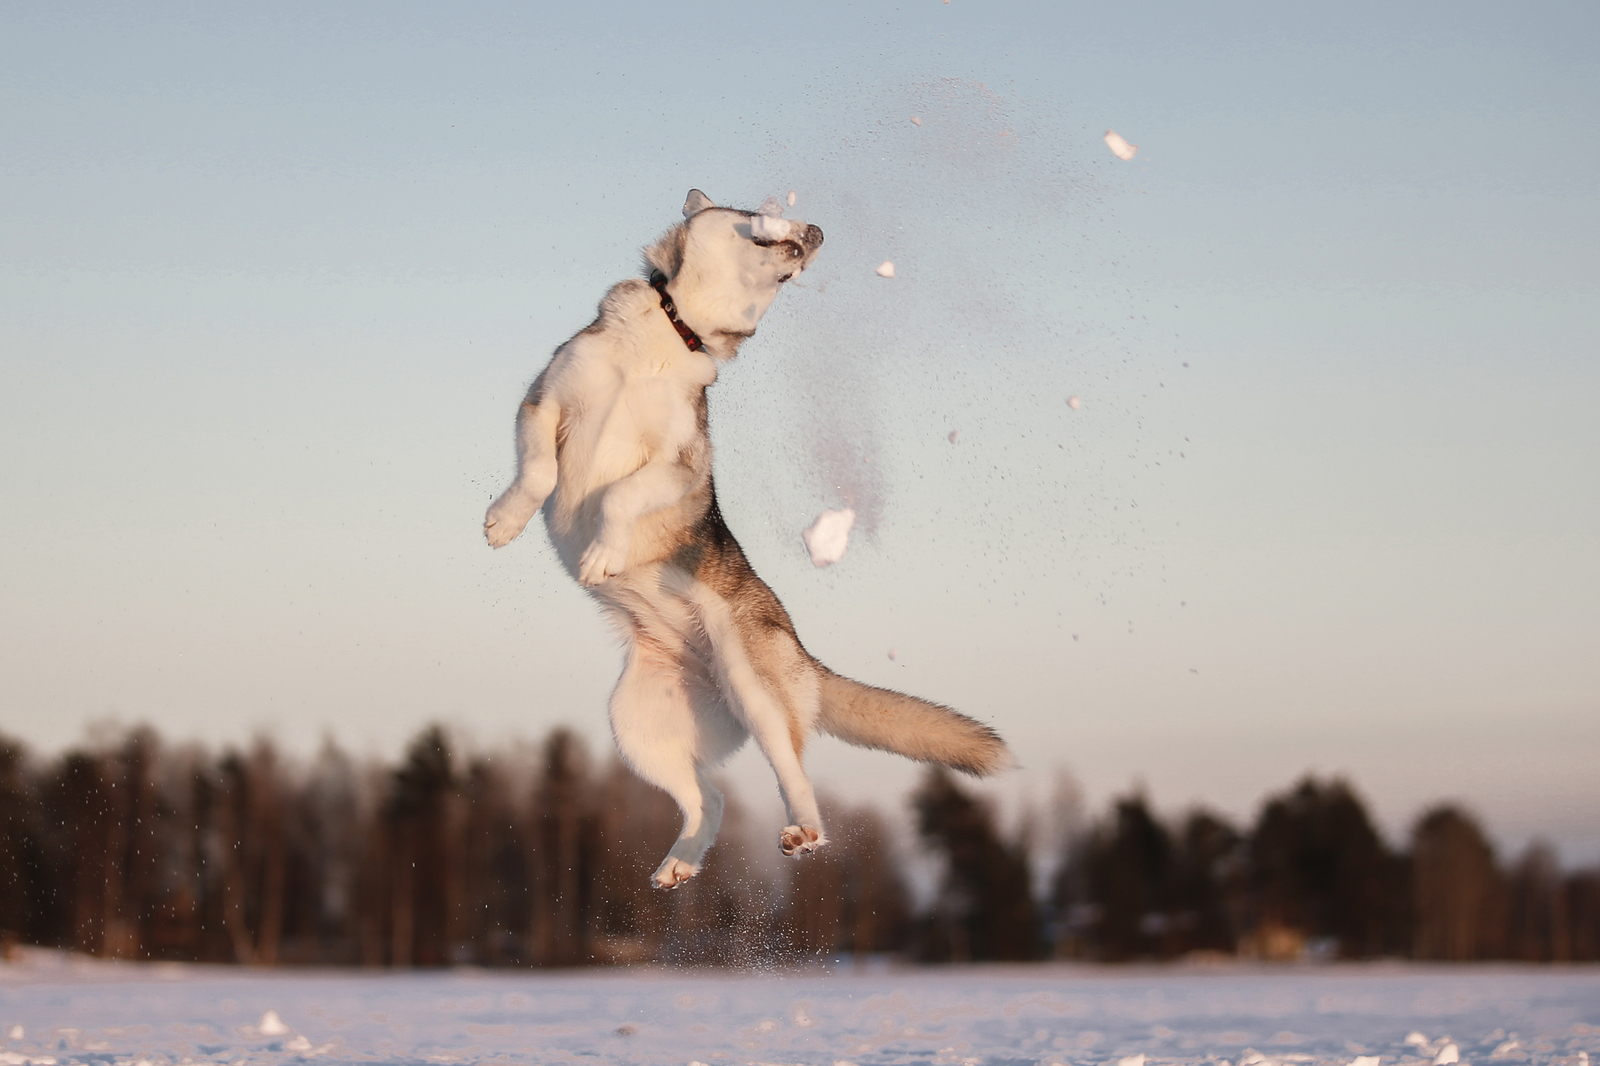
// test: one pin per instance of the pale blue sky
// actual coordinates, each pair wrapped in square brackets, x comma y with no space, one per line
[272,281]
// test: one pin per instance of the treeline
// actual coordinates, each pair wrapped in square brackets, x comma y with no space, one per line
[136,849]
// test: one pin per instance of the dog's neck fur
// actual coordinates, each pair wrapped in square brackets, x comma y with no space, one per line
[721,329]
[691,339]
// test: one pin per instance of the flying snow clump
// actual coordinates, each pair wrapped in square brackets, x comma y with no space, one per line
[1119,147]
[886,269]
[954,434]
[915,121]
[829,536]
[271,1025]
[1074,403]
[768,228]
[791,197]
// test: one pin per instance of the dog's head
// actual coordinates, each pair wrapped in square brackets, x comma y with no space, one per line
[724,266]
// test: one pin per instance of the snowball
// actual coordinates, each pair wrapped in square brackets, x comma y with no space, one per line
[1074,403]
[791,197]
[886,269]
[915,121]
[1119,147]
[828,536]
[1364,1060]
[1447,1054]
[767,228]
[892,654]
[954,433]
[271,1024]
[770,208]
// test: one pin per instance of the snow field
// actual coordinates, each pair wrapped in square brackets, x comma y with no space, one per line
[1357,1015]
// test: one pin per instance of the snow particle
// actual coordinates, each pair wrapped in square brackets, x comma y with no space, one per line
[791,204]
[1119,147]
[954,433]
[16,1032]
[892,654]
[829,536]
[886,269]
[1074,403]
[271,1025]
[915,121]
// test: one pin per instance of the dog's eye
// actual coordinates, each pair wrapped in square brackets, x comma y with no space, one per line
[794,251]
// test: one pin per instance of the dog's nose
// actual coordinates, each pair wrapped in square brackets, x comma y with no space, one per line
[813,237]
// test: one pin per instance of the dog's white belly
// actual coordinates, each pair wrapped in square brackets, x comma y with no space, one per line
[662,617]
[622,422]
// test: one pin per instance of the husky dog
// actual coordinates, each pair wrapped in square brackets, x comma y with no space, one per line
[612,443]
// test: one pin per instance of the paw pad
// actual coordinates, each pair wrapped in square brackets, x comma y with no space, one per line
[800,839]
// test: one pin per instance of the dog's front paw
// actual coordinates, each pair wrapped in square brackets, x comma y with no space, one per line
[507,517]
[672,873]
[800,839]
[600,562]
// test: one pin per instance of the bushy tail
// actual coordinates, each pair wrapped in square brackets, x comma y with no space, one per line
[881,718]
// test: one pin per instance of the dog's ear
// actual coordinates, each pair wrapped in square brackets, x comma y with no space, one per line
[695,203]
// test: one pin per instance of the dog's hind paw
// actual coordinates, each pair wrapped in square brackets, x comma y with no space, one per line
[672,873]
[800,839]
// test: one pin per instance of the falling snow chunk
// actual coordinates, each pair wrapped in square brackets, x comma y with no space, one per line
[886,269]
[892,654]
[829,536]
[271,1025]
[1119,147]
[767,228]
[954,433]
[1074,403]
[791,197]
[1447,1054]
[915,121]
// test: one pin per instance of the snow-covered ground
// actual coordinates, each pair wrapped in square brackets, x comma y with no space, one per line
[62,1011]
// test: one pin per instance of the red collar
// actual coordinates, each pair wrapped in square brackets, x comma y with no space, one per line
[658,282]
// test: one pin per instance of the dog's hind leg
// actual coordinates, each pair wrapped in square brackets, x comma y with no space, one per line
[658,734]
[777,700]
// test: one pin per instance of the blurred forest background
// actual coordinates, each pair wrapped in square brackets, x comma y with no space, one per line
[132,848]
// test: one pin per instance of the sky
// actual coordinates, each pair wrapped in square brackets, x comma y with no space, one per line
[273,282]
